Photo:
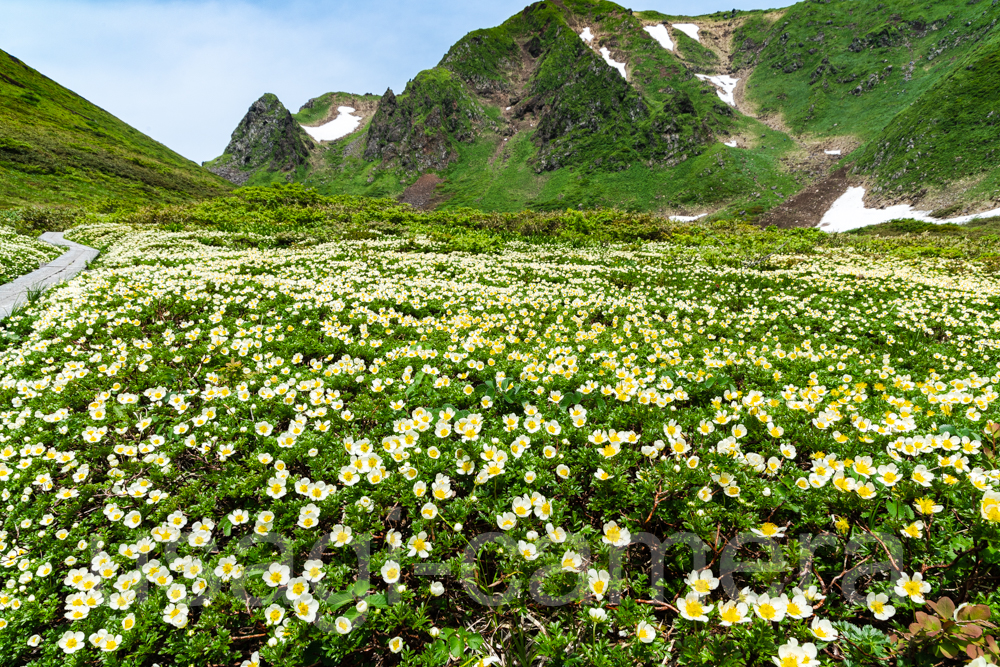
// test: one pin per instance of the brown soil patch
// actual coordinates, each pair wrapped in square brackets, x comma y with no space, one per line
[808,207]
[422,193]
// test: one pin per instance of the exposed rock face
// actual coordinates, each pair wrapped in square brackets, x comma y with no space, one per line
[418,127]
[266,139]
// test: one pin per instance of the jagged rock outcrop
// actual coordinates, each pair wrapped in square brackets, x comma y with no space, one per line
[419,127]
[267,139]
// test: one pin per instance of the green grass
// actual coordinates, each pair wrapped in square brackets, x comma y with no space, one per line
[58,148]
[282,215]
[950,132]
[321,106]
[818,53]
[701,59]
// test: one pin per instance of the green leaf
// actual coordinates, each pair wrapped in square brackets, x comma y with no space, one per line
[361,587]
[378,600]
[456,647]
[974,612]
[338,600]
[710,382]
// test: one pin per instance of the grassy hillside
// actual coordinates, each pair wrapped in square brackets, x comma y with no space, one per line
[850,66]
[951,132]
[318,108]
[58,148]
[526,114]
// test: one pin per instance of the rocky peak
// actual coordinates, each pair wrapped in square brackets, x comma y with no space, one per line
[267,139]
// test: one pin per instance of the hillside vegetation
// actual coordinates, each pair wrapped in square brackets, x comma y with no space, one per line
[58,148]
[453,433]
[914,82]
[529,115]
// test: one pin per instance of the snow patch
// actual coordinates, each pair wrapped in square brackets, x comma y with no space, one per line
[586,35]
[341,126]
[726,87]
[611,61]
[686,218]
[661,35]
[849,212]
[731,144]
[832,152]
[689,29]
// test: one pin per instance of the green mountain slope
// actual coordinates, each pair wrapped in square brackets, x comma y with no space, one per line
[58,148]
[913,83]
[530,115]
[534,84]
[951,132]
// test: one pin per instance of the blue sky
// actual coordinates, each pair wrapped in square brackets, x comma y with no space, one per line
[185,71]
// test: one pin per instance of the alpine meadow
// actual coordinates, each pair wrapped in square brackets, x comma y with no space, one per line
[616,338]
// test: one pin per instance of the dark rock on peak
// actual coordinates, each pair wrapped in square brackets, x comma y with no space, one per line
[267,139]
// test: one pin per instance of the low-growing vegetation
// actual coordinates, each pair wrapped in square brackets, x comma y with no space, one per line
[286,429]
[20,254]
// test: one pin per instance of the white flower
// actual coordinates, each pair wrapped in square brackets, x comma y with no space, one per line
[312,570]
[274,614]
[793,655]
[598,582]
[615,536]
[71,642]
[437,588]
[702,583]
[597,615]
[692,607]
[343,625]
[305,608]
[878,603]
[419,546]
[176,615]
[912,587]
[390,572]
[823,630]
[277,575]
[297,588]
[769,609]
[645,632]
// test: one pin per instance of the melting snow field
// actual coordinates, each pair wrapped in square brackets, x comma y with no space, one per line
[849,212]
[832,152]
[689,29]
[614,63]
[686,218]
[726,86]
[731,144]
[586,35]
[341,126]
[661,35]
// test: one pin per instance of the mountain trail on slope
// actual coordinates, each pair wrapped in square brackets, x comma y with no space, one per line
[423,193]
[807,208]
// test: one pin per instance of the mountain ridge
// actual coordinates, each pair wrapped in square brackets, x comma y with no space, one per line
[58,148]
[535,113]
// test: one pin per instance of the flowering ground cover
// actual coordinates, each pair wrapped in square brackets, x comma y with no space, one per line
[22,254]
[217,450]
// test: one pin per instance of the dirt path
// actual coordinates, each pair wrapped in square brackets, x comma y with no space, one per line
[808,207]
[422,194]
